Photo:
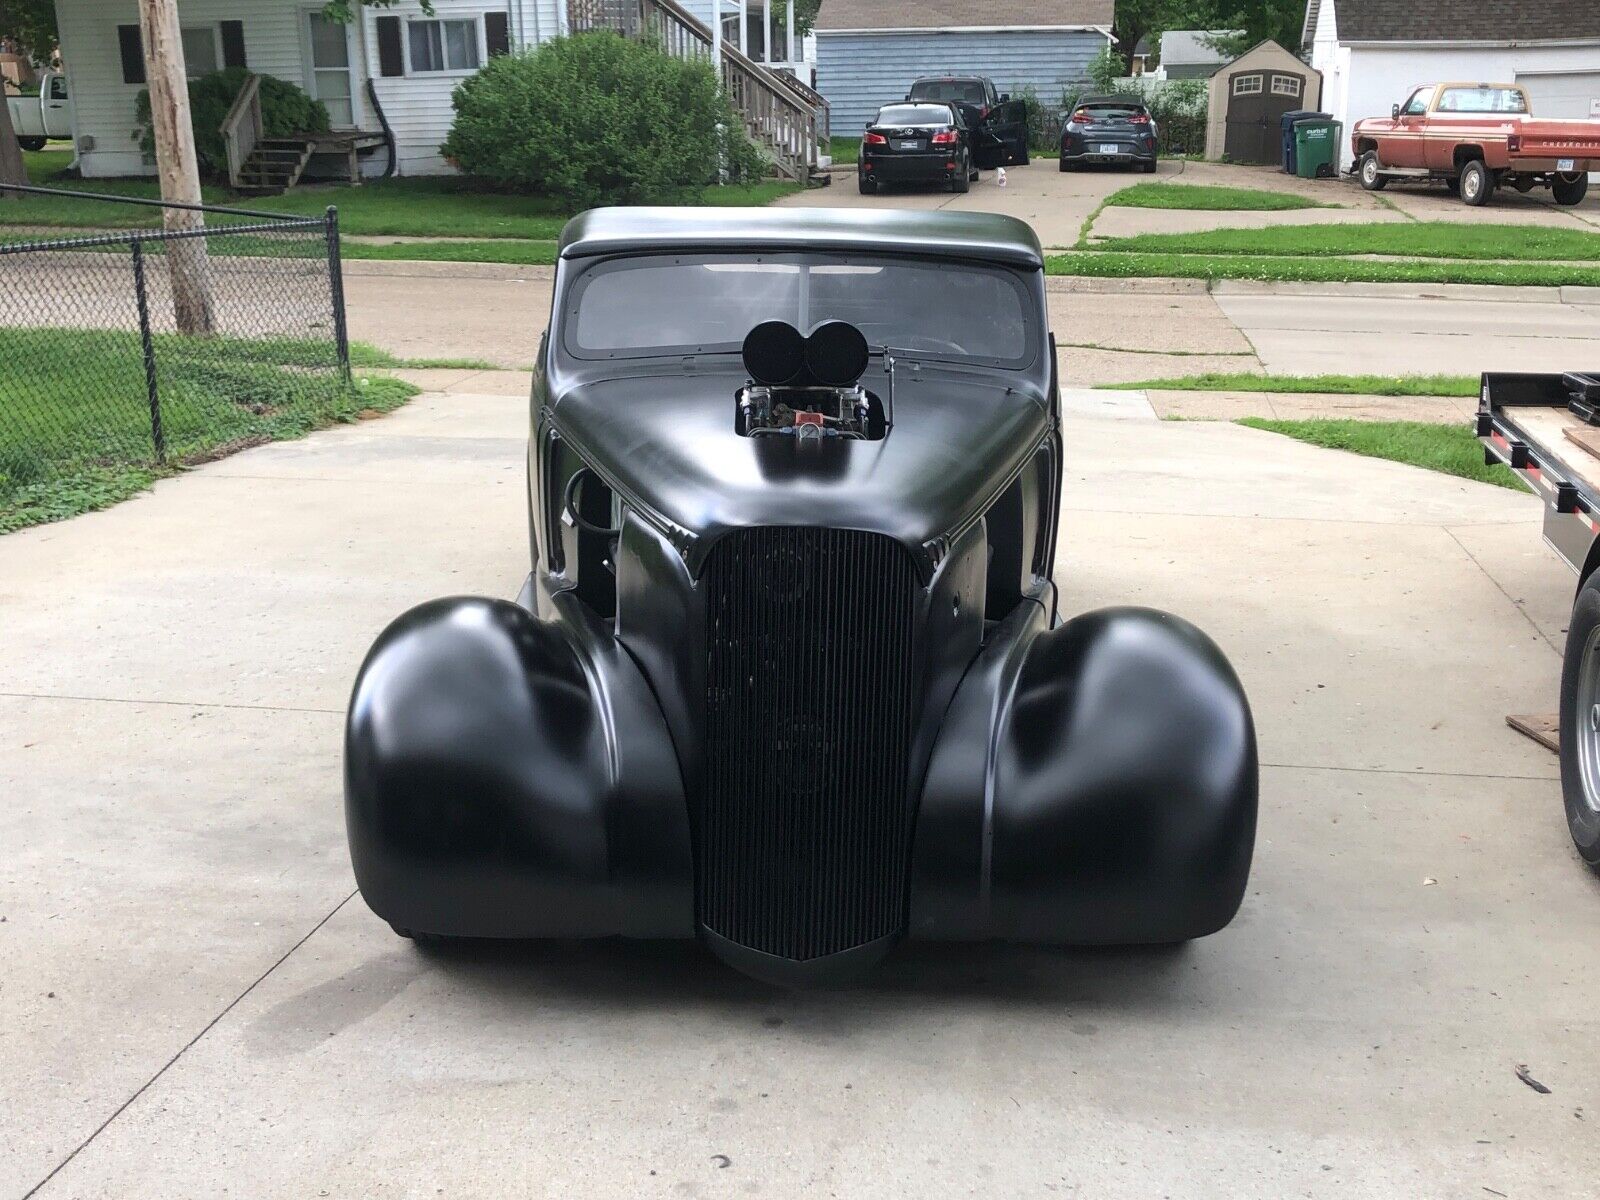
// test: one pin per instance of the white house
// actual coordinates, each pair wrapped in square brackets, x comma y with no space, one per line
[1372,53]
[411,59]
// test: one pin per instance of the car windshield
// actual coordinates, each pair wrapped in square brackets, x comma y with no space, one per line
[648,307]
[964,91]
[913,114]
[1483,100]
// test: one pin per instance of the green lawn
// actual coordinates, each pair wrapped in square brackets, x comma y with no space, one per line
[845,150]
[75,430]
[422,207]
[503,250]
[1343,385]
[1427,239]
[1217,199]
[1447,448]
[1284,268]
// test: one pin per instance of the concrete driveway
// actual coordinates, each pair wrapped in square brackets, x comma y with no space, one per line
[1056,204]
[192,1002]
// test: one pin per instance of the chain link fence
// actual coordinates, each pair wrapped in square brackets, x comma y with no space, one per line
[148,348]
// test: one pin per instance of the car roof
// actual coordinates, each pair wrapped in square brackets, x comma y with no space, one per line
[988,237]
[949,79]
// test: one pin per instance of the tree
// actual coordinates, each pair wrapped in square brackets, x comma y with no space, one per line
[31,24]
[1137,20]
[1260,20]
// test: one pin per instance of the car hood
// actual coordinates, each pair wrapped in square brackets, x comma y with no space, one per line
[667,444]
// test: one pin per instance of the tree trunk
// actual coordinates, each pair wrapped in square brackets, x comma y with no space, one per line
[179,168]
[12,169]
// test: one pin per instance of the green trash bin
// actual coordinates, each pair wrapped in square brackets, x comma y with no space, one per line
[1316,148]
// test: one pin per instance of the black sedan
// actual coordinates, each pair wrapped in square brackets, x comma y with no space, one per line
[1109,131]
[916,143]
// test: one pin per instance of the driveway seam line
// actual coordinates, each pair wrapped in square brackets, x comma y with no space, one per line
[1499,588]
[210,1025]
[1418,773]
[171,703]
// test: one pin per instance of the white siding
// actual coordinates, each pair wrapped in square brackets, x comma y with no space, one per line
[104,105]
[859,72]
[418,107]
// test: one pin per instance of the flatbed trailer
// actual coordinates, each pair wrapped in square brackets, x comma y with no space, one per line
[1546,428]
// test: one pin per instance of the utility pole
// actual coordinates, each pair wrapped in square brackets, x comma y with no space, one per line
[176,163]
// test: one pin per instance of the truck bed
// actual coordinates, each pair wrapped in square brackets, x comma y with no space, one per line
[1527,423]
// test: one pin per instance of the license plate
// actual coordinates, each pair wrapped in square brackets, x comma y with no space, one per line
[1566,164]
[1110,148]
[911,145]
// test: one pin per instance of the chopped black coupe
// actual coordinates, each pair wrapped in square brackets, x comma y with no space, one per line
[916,143]
[1109,131]
[789,673]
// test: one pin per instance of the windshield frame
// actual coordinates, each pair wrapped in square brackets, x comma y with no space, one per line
[572,297]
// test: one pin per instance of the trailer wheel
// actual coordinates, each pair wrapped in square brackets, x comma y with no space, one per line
[1477,183]
[1580,722]
[1570,191]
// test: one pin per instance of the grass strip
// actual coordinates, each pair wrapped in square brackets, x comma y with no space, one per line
[1209,198]
[1447,448]
[1422,239]
[1338,385]
[1285,269]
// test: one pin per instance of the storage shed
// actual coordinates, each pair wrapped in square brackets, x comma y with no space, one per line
[870,51]
[1248,99]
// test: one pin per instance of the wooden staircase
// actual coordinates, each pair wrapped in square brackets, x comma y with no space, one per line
[275,165]
[782,115]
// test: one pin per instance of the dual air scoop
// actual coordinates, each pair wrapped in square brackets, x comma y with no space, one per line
[778,355]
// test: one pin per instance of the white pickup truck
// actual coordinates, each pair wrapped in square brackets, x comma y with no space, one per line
[47,115]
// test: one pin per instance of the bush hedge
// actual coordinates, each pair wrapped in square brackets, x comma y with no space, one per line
[598,119]
[285,110]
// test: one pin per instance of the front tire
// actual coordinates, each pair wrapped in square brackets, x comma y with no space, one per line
[1371,173]
[1580,722]
[1570,191]
[1477,184]
[1022,157]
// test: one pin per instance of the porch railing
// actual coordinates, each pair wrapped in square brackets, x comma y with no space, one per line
[242,130]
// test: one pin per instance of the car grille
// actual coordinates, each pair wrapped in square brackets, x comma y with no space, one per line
[804,816]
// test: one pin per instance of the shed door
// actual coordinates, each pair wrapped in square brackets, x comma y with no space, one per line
[1257,101]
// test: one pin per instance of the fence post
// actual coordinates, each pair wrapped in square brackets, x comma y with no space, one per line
[157,437]
[336,285]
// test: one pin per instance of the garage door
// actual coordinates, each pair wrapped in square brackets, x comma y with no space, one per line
[1569,94]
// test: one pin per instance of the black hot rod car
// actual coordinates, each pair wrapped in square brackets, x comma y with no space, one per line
[789,673]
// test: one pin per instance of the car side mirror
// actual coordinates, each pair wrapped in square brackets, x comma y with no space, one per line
[1394,113]
[1005,97]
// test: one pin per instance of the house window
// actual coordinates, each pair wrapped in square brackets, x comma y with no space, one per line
[443,46]
[1286,85]
[1246,85]
[201,55]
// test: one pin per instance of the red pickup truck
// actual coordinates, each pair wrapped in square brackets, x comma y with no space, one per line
[1475,137]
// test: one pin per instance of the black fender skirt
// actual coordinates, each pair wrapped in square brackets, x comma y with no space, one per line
[513,777]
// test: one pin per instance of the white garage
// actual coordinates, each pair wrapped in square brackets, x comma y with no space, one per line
[1372,53]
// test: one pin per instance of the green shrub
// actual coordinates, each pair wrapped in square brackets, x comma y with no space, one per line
[598,119]
[285,110]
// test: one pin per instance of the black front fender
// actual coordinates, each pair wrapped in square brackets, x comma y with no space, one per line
[1093,783]
[511,777]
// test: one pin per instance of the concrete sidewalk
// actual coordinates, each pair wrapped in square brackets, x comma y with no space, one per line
[193,1002]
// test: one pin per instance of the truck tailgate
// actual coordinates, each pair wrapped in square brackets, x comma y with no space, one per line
[1558,139]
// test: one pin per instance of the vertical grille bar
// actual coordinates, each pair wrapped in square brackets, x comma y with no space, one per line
[804,825]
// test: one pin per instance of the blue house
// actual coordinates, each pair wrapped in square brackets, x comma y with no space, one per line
[869,51]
